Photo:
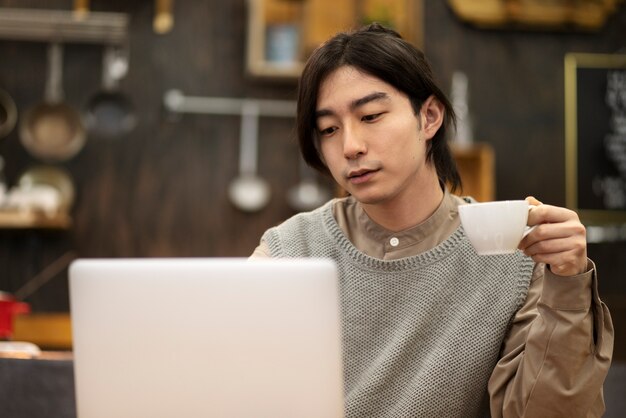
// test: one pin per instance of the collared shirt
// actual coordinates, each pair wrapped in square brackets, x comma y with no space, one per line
[559,346]
[378,242]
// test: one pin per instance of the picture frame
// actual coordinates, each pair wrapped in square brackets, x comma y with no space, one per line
[595,137]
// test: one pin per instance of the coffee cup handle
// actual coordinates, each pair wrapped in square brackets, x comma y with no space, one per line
[528,230]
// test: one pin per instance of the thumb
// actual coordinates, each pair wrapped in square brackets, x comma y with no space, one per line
[533,201]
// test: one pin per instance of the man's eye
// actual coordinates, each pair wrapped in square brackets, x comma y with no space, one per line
[371,118]
[327,131]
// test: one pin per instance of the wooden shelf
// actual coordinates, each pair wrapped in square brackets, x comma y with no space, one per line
[476,165]
[535,14]
[13,219]
[51,331]
[282,34]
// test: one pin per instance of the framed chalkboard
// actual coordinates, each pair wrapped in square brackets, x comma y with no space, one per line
[595,132]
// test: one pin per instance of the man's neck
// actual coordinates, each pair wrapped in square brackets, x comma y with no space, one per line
[408,210]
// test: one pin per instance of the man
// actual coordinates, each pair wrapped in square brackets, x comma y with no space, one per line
[431,329]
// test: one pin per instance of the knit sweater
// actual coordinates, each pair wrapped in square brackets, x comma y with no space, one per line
[421,335]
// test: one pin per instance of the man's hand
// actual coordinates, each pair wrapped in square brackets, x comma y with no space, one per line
[558,240]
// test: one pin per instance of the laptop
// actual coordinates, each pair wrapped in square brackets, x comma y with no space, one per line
[220,337]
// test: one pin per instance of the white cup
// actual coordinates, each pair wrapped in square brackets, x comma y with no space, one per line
[495,227]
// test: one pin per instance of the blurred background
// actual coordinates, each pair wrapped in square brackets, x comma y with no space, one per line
[127,128]
[156,183]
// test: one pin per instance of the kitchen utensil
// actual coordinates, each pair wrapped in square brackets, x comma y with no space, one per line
[163,18]
[51,271]
[8,113]
[55,177]
[109,112]
[81,9]
[9,307]
[249,192]
[53,130]
[308,194]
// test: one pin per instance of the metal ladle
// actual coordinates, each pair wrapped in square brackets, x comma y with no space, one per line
[110,113]
[307,194]
[249,192]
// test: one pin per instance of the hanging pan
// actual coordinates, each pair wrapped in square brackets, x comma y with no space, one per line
[8,113]
[110,113]
[52,130]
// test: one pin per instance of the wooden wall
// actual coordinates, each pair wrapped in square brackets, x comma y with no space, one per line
[161,191]
[516,87]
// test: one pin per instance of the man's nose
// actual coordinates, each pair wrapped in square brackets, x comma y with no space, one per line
[354,145]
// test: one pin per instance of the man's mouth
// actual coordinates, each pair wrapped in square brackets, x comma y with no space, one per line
[360,176]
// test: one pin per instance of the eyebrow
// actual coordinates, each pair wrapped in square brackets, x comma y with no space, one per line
[355,103]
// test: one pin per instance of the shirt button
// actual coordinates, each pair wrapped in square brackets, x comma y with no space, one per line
[394,242]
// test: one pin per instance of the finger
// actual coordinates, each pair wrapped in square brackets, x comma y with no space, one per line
[532,200]
[551,214]
[567,255]
[556,259]
[555,247]
[549,231]
[569,263]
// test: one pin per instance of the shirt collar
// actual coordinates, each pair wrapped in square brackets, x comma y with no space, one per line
[393,241]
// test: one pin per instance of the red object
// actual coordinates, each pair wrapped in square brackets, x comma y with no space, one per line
[9,307]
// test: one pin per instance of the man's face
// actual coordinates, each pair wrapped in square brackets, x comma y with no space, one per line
[370,138]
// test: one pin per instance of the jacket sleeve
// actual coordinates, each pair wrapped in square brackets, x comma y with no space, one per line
[557,352]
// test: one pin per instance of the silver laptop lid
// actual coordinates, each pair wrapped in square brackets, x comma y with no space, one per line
[206,338]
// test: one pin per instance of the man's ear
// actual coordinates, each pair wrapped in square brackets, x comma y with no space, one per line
[431,116]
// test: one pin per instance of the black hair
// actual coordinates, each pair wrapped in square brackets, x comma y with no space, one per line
[382,53]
